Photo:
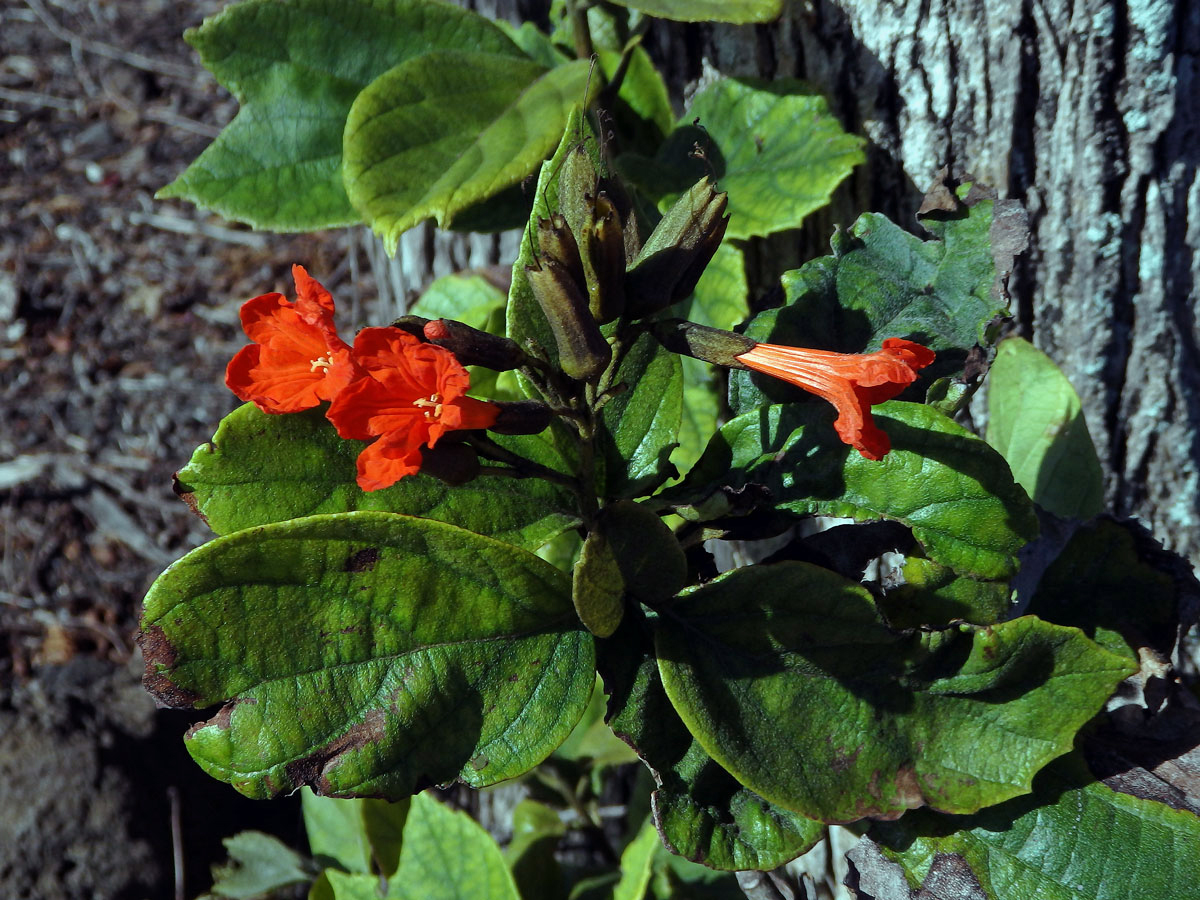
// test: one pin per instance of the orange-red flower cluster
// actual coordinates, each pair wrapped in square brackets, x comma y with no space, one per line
[389,387]
[852,382]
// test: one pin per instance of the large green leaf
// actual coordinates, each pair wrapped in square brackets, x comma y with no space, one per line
[883,282]
[773,146]
[739,12]
[701,811]
[445,856]
[296,68]
[788,678]
[367,654]
[261,468]
[640,425]
[1036,422]
[953,490]
[445,130]
[1073,839]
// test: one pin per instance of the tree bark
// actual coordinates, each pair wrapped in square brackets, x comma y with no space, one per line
[1086,111]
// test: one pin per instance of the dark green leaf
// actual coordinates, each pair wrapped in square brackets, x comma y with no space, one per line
[645,550]
[262,468]
[1073,839]
[640,425]
[773,145]
[936,595]
[296,68]
[952,489]
[788,678]
[537,830]
[739,12]
[883,282]
[701,811]
[367,654]
[445,130]
[1115,582]
[258,864]
[1037,424]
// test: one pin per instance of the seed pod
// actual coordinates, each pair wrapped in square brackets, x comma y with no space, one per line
[473,347]
[556,242]
[721,348]
[583,353]
[676,254]
[521,417]
[604,260]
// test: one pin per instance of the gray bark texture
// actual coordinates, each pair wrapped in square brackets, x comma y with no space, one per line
[1087,112]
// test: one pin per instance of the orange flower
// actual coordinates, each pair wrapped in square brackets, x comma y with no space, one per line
[409,396]
[853,383]
[297,360]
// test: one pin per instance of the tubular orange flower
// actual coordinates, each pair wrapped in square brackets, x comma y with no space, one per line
[410,395]
[297,360]
[853,383]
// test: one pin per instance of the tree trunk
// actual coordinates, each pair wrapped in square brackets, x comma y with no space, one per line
[1086,111]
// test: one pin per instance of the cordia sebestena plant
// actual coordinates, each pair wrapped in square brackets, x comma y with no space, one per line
[432,537]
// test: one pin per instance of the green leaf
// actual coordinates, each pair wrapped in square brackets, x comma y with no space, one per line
[642,113]
[701,811]
[883,282]
[640,425]
[788,678]
[445,130]
[739,12]
[1074,839]
[636,862]
[464,296]
[652,565]
[1036,422]
[1113,581]
[773,146]
[537,829]
[445,856]
[296,67]
[367,654]
[952,489]
[356,835]
[936,595]
[597,588]
[258,863]
[536,43]
[262,468]
[719,301]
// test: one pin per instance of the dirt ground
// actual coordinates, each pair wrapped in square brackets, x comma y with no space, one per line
[118,313]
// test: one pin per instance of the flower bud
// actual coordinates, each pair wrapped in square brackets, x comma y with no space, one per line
[473,347]
[414,325]
[676,254]
[583,353]
[556,242]
[721,348]
[604,260]
[521,417]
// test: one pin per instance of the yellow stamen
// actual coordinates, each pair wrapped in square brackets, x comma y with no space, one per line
[432,401]
[322,362]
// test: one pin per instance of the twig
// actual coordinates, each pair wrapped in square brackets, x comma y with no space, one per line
[137,60]
[187,226]
[176,841]
[44,101]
